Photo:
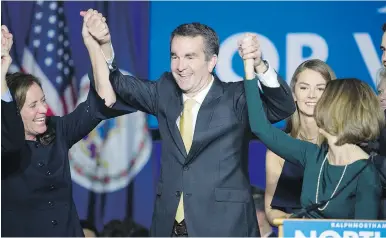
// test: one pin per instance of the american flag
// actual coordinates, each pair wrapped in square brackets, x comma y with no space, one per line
[47,55]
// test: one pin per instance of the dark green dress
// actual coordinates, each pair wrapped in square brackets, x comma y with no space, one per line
[359,200]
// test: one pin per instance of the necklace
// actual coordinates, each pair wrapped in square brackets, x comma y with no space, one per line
[307,139]
[336,188]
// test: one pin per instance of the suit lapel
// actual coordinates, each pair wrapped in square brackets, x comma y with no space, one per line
[204,117]
[173,111]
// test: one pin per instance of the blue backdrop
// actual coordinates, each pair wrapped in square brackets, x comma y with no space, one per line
[345,34]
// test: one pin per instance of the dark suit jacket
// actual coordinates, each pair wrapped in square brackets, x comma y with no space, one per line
[12,129]
[380,163]
[36,185]
[382,141]
[214,175]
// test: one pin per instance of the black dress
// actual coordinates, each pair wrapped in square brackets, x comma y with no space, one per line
[36,186]
[289,188]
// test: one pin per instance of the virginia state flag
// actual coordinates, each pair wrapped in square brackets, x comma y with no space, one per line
[107,160]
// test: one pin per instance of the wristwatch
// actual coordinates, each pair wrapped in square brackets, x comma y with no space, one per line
[264,61]
[266,64]
[109,62]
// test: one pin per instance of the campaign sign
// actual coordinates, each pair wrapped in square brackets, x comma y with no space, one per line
[334,228]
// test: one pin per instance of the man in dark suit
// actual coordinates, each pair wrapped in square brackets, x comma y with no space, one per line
[204,187]
[383,45]
[381,86]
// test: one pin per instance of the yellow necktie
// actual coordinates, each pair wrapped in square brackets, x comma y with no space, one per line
[186,130]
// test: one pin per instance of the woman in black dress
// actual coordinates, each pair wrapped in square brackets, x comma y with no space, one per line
[36,181]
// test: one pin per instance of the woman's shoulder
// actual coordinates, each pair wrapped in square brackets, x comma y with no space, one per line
[272,155]
[368,171]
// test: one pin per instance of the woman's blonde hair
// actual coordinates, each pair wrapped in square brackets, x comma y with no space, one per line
[293,123]
[349,109]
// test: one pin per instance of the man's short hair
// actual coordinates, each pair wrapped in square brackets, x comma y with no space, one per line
[210,37]
[384,27]
[258,198]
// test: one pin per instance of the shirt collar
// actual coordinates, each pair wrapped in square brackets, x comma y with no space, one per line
[199,98]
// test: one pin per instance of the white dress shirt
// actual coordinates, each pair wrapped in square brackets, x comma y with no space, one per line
[199,98]
[268,79]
